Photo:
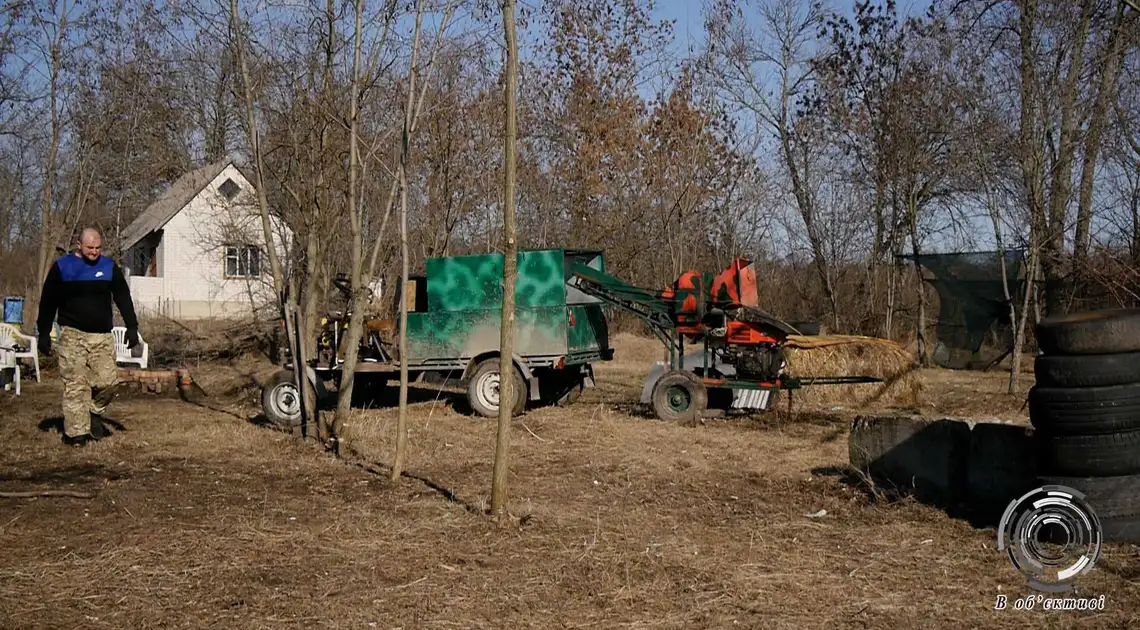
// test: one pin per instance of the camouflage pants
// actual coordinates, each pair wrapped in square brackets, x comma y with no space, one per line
[87,364]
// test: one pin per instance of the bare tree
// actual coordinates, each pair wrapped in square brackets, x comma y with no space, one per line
[354,158]
[286,299]
[507,385]
[741,62]
[365,269]
[405,148]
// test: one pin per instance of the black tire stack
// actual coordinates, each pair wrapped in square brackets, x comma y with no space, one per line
[1085,410]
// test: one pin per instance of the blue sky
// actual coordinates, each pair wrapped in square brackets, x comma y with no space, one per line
[689,28]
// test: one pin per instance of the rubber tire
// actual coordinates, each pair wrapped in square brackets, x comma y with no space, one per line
[1109,497]
[1087,370]
[280,379]
[1122,529]
[1107,455]
[1085,410]
[492,365]
[698,396]
[1108,331]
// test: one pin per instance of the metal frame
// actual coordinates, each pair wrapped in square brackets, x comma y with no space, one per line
[659,314]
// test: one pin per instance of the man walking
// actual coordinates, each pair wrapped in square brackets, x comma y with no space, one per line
[81,288]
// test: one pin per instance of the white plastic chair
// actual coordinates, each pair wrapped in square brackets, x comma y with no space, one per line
[8,361]
[123,353]
[10,335]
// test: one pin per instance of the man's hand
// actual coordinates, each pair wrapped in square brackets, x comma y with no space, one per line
[43,344]
[132,337]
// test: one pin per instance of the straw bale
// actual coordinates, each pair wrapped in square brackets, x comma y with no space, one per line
[852,355]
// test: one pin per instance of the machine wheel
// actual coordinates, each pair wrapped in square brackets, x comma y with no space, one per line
[281,400]
[679,395]
[483,390]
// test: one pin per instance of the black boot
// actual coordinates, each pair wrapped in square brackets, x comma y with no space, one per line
[97,430]
[78,441]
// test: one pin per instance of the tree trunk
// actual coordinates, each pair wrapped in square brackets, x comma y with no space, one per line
[356,321]
[506,336]
[308,329]
[405,147]
[1061,173]
[48,223]
[1019,337]
[916,250]
[1105,93]
[286,300]
[402,419]
[888,319]
[352,339]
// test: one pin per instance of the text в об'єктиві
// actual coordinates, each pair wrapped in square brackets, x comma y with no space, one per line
[1040,602]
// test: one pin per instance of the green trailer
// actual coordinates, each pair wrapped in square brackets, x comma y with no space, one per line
[454,317]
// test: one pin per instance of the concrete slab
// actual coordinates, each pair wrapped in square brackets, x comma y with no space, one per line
[1002,466]
[923,457]
[974,467]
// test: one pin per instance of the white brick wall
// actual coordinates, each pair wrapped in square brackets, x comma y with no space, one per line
[191,259]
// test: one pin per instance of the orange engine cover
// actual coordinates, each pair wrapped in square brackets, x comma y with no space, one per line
[746,334]
[736,285]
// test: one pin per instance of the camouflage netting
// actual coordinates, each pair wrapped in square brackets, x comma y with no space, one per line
[972,305]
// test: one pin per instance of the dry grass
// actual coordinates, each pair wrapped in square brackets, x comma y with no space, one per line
[202,519]
[636,349]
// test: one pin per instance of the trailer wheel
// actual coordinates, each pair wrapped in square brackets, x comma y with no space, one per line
[679,395]
[483,390]
[281,400]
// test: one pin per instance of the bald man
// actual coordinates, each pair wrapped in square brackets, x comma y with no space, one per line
[81,287]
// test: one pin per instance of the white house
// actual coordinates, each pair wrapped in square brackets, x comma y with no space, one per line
[198,250]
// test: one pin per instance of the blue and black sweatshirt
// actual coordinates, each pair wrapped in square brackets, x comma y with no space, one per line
[82,292]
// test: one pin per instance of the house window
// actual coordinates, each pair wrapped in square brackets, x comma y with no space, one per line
[229,189]
[243,261]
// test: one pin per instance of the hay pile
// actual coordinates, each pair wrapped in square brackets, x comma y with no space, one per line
[851,355]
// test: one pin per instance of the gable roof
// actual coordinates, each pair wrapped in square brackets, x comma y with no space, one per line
[180,193]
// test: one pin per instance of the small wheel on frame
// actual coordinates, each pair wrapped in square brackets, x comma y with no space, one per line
[679,395]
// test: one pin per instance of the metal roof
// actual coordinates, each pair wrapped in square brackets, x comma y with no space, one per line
[180,193]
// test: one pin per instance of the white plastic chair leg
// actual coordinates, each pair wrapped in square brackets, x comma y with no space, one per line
[36,360]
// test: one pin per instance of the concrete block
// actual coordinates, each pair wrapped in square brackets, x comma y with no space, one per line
[1002,466]
[974,467]
[923,457]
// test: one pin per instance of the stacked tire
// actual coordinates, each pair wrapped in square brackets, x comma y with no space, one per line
[1085,410]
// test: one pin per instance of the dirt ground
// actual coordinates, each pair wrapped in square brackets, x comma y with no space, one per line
[203,518]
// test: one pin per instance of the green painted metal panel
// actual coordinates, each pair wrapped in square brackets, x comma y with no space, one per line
[589,332]
[464,307]
[460,283]
[465,334]
[541,279]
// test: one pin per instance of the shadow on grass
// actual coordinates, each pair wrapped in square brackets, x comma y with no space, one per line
[55,424]
[80,474]
[877,491]
[385,471]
